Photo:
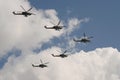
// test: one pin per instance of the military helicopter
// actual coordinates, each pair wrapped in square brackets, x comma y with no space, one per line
[62,55]
[24,13]
[83,39]
[56,27]
[42,65]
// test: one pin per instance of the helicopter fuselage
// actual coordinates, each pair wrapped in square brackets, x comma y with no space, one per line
[26,14]
[84,40]
[42,65]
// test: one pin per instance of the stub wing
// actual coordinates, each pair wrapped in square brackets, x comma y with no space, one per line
[48,27]
[55,55]
[17,13]
[35,65]
[76,40]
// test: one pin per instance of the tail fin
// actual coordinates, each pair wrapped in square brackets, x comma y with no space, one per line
[13,12]
[74,39]
[45,27]
[33,65]
[53,55]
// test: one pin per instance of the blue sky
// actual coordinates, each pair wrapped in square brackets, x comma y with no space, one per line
[24,40]
[104,19]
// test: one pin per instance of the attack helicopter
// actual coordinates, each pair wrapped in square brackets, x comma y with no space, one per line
[42,65]
[24,13]
[84,39]
[56,27]
[62,55]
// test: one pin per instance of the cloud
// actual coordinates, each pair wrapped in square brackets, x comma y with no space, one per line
[21,32]
[74,23]
[27,33]
[100,64]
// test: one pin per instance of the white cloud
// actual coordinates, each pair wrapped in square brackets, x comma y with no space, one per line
[21,32]
[27,33]
[75,23]
[100,64]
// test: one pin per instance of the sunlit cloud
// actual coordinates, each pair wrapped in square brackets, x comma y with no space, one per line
[101,63]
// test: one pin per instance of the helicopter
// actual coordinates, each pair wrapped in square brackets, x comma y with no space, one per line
[56,27]
[42,65]
[83,39]
[62,55]
[24,13]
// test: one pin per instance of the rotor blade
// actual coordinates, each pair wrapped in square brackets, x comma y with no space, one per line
[22,7]
[65,51]
[29,9]
[41,61]
[33,14]
[58,23]
[46,63]
[58,51]
[52,23]
[63,26]
[84,35]
[69,50]
[90,37]
[69,54]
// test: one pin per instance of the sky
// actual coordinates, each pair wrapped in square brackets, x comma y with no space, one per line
[24,40]
[103,15]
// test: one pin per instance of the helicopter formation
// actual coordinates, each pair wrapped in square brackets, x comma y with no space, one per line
[83,39]
[28,13]
[43,65]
